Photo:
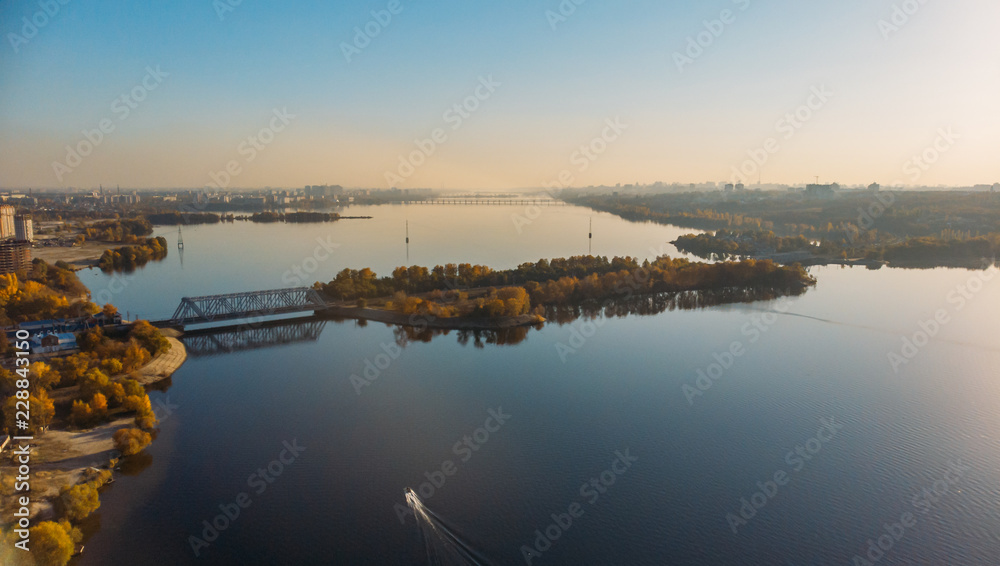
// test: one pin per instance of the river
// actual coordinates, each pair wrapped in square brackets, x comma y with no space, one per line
[810,445]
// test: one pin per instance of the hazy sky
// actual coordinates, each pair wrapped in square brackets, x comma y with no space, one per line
[221,72]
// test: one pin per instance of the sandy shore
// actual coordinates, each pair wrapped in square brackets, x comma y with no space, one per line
[165,364]
[79,257]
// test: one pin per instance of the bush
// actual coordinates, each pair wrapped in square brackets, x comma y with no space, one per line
[133,387]
[149,337]
[80,501]
[99,403]
[81,414]
[51,544]
[137,403]
[111,366]
[93,382]
[145,420]
[131,441]
[40,406]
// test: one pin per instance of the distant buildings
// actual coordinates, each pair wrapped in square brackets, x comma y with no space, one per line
[323,191]
[16,234]
[822,191]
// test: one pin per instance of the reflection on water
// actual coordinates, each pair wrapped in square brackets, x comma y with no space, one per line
[497,337]
[136,464]
[640,305]
[647,305]
[238,338]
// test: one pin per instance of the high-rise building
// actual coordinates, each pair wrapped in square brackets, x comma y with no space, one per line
[23,229]
[6,222]
[14,256]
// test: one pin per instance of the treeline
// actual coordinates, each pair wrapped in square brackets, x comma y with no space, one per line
[186,218]
[725,243]
[45,291]
[129,257]
[294,217]
[560,282]
[666,275]
[126,231]
[698,219]
[495,303]
[351,284]
[954,250]
[855,223]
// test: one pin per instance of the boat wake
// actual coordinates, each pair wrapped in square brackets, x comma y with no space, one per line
[444,545]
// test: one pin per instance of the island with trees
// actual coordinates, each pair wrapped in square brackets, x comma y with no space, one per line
[476,297]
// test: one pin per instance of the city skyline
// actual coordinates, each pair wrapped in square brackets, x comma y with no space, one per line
[387,94]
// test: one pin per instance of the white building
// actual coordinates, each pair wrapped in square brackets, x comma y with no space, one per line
[7,221]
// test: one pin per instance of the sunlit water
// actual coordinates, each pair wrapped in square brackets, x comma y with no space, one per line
[567,404]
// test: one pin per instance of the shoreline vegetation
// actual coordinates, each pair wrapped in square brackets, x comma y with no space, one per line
[872,228]
[87,406]
[476,297]
[127,258]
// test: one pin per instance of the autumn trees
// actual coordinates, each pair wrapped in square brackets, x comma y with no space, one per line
[97,372]
[42,292]
[131,441]
[508,301]
[52,543]
[130,257]
[555,282]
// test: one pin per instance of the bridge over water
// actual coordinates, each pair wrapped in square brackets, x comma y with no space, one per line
[253,304]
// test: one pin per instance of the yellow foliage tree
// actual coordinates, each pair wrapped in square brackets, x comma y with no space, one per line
[51,544]
[80,501]
[81,414]
[131,441]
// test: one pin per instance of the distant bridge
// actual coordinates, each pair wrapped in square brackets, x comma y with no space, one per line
[215,341]
[490,201]
[254,304]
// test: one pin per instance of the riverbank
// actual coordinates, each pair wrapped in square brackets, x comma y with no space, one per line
[430,321]
[80,257]
[61,457]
